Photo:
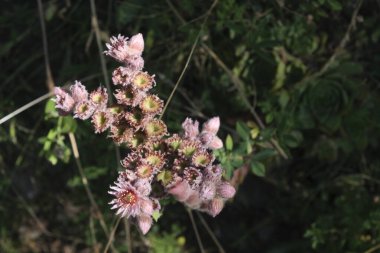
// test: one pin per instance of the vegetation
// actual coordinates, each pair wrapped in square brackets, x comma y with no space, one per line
[296,86]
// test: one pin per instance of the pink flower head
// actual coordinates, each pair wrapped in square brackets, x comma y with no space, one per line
[125,51]
[127,199]
[118,48]
[83,110]
[101,120]
[99,98]
[122,76]
[78,92]
[145,223]
[63,101]
[191,128]
[192,176]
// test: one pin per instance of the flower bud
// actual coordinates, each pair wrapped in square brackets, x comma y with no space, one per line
[181,191]
[146,206]
[226,190]
[144,222]
[193,201]
[136,44]
[212,125]
[215,206]
[216,143]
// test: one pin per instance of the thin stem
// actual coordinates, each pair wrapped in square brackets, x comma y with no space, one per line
[211,233]
[95,206]
[25,107]
[127,227]
[240,87]
[373,249]
[95,26]
[200,244]
[180,77]
[191,52]
[112,235]
[49,77]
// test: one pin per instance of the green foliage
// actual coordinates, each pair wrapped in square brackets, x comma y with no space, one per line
[313,85]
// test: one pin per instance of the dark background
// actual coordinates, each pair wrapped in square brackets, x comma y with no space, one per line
[308,70]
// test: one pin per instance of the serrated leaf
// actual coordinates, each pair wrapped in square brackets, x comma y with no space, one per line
[258,168]
[229,143]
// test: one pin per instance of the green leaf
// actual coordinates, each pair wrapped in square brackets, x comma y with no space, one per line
[68,125]
[293,139]
[229,143]
[335,5]
[258,168]
[156,215]
[264,154]
[243,130]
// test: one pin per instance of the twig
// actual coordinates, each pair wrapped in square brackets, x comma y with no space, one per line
[240,87]
[95,206]
[373,249]
[180,77]
[345,38]
[128,234]
[195,230]
[171,6]
[49,78]
[112,235]
[211,233]
[191,52]
[93,234]
[25,107]
[337,50]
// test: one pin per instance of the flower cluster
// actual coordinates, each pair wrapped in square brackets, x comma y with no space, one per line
[158,164]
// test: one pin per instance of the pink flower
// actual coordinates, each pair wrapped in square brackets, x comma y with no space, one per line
[127,199]
[128,52]
[208,135]
[191,128]
[63,101]
[83,110]
[118,48]
[78,92]
[122,76]
[99,98]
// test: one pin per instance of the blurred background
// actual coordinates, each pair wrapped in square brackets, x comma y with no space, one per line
[296,84]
